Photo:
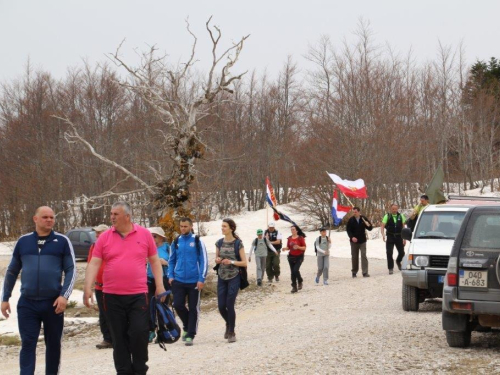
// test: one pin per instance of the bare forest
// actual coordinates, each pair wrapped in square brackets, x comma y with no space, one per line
[360,110]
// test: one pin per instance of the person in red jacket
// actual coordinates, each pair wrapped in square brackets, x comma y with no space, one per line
[296,246]
[106,335]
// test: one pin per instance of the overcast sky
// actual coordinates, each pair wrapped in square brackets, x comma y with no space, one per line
[57,34]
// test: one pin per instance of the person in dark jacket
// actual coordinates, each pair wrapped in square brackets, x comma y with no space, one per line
[356,230]
[392,225]
[43,256]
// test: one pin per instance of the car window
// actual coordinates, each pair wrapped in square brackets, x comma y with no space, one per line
[74,236]
[92,236]
[439,225]
[483,231]
[84,236]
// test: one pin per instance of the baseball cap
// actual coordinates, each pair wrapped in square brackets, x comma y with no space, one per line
[322,229]
[100,228]
[158,231]
[260,231]
[271,224]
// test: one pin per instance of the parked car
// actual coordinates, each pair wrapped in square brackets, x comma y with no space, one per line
[425,264]
[81,239]
[471,295]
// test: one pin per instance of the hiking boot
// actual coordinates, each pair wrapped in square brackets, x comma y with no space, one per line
[259,282]
[189,341]
[184,336]
[366,275]
[294,289]
[325,282]
[277,278]
[354,275]
[151,336]
[300,286]
[231,337]
[391,272]
[399,265]
[317,280]
[270,281]
[104,345]
[226,334]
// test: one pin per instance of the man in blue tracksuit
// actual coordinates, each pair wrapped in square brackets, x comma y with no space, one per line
[43,256]
[187,272]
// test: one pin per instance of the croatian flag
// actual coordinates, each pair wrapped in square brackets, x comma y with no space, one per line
[353,189]
[338,211]
[270,197]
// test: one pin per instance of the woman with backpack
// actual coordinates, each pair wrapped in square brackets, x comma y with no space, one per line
[322,246]
[230,256]
[296,246]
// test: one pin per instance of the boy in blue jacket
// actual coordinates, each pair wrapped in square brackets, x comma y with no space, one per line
[187,272]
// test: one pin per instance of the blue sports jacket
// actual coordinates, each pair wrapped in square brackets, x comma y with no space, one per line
[42,271]
[188,263]
[163,253]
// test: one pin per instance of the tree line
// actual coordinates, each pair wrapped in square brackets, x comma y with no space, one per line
[360,110]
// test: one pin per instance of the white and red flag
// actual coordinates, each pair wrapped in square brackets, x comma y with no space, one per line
[353,189]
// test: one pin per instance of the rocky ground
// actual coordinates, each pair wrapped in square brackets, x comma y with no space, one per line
[351,326]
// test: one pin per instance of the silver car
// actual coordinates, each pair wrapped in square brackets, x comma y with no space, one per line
[471,294]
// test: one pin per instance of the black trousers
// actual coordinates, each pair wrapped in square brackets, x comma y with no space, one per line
[189,315]
[128,320]
[390,242]
[151,294]
[103,324]
[295,262]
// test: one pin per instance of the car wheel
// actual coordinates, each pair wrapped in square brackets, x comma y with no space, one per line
[458,339]
[410,298]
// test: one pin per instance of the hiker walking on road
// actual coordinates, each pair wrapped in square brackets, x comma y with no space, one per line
[187,273]
[273,258]
[164,254]
[322,246]
[230,255]
[296,245]
[43,256]
[261,245]
[412,221]
[124,248]
[392,224]
[103,324]
[356,230]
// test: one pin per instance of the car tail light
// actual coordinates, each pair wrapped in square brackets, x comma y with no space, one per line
[451,278]
[461,306]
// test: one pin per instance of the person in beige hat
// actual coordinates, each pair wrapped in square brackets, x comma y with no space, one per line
[163,249]
[106,335]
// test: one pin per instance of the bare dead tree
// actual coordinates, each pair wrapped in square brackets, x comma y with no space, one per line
[181,103]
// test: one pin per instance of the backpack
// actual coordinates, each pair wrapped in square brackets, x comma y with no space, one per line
[243,270]
[196,241]
[315,248]
[163,317]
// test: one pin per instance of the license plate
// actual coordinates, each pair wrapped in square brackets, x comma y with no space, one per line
[473,279]
[440,279]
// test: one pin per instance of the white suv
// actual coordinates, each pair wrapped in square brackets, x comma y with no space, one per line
[424,266]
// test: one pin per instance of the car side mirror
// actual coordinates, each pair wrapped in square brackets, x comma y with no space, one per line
[87,241]
[406,234]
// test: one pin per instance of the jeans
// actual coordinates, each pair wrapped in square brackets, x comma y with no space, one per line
[295,262]
[128,320]
[227,291]
[188,315]
[392,241]
[261,266]
[31,314]
[323,266]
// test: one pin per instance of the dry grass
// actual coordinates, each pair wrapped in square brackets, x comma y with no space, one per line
[7,340]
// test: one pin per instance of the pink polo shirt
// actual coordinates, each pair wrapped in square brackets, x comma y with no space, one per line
[125,268]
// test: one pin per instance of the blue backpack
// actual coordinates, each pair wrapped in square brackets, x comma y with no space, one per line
[166,327]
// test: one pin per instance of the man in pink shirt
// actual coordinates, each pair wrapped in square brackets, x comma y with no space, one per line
[124,249]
